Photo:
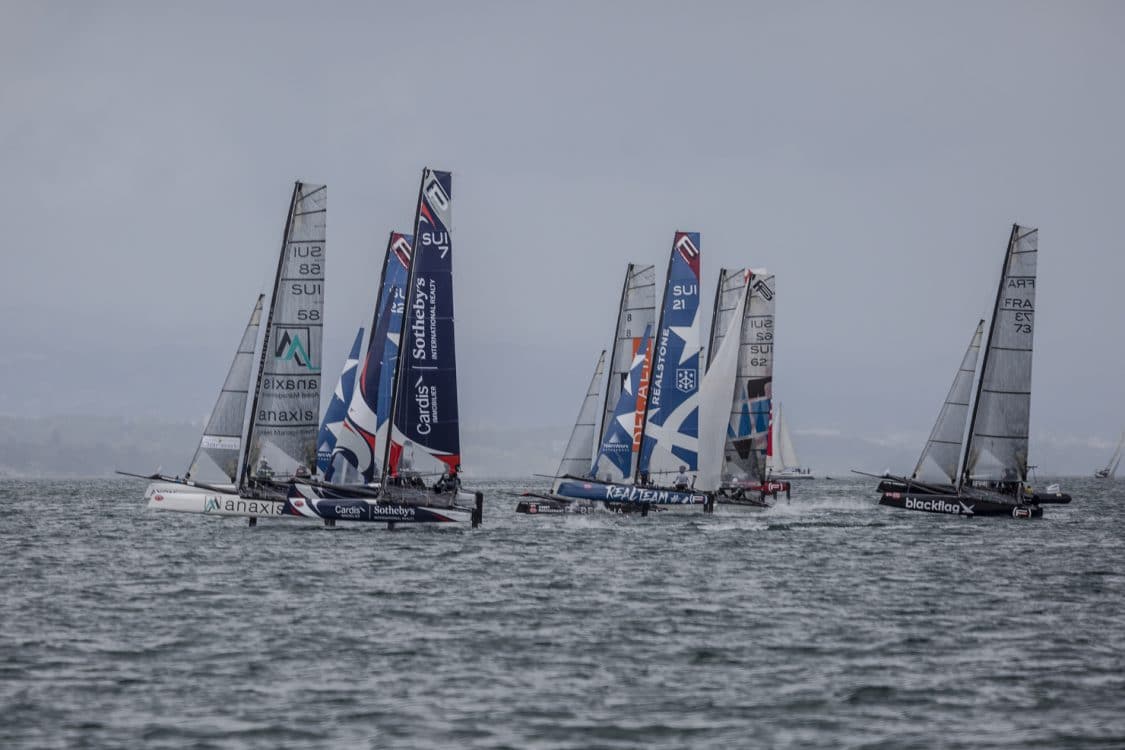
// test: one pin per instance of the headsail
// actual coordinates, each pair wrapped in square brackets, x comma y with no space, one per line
[998,430]
[425,410]
[614,461]
[221,444]
[333,421]
[635,314]
[715,400]
[783,456]
[943,449]
[580,447]
[367,423]
[671,421]
[283,418]
[728,294]
[748,434]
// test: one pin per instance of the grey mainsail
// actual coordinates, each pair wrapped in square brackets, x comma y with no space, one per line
[221,444]
[281,436]
[942,454]
[998,430]
[745,454]
[580,448]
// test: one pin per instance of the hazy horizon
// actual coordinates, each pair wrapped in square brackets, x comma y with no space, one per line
[872,155]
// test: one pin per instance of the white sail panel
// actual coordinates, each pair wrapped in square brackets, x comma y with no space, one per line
[942,453]
[284,421]
[727,296]
[715,394]
[221,444]
[579,452]
[748,432]
[636,312]
[998,435]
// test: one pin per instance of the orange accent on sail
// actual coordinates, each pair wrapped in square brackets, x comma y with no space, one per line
[642,394]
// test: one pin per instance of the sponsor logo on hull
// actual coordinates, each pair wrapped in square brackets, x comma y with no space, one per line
[627,493]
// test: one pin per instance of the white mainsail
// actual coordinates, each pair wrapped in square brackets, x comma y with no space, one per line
[579,452]
[727,296]
[281,436]
[998,430]
[784,456]
[748,434]
[221,443]
[942,453]
[715,394]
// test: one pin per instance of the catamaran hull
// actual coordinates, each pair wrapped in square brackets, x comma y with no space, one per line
[336,505]
[628,494]
[167,496]
[956,505]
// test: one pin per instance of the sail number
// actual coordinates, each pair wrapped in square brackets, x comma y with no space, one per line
[308,315]
[309,269]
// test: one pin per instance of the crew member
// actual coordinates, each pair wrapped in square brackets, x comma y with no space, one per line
[682,480]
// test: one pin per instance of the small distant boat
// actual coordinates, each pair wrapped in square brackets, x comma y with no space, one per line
[423,411]
[1110,470]
[784,464]
[992,475]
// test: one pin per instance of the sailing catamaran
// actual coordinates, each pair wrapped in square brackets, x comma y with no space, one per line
[992,480]
[281,433]
[1110,470]
[746,447]
[423,412]
[651,429]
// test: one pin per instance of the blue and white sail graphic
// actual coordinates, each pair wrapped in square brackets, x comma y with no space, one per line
[425,411]
[615,456]
[364,432]
[671,424]
[337,409]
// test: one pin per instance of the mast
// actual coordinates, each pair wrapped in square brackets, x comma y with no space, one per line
[610,389]
[984,362]
[715,317]
[655,337]
[402,337]
[245,460]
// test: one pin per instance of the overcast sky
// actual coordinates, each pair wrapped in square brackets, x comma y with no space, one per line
[872,155]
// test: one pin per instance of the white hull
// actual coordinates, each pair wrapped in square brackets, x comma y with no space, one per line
[182,498]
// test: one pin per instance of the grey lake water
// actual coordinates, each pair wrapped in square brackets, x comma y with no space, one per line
[825,622]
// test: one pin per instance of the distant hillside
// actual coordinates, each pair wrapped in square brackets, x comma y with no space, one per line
[95,446]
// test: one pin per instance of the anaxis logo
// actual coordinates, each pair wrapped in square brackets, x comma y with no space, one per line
[291,346]
[211,504]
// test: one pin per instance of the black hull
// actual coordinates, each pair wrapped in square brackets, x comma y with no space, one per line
[898,485]
[960,505]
